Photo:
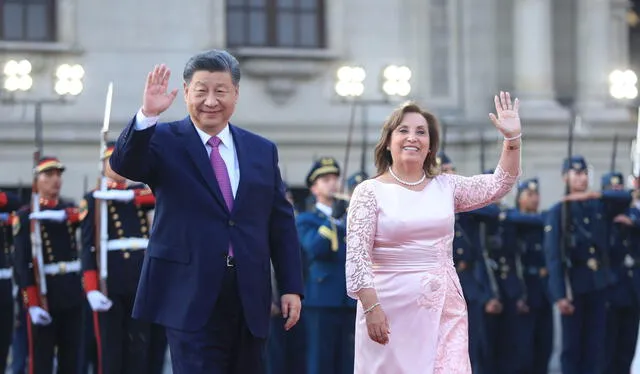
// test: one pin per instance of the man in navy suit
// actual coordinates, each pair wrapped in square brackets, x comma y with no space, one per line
[221,216]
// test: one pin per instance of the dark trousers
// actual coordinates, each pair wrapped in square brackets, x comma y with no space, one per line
[475,312]
[583,335]
[286,350]
[64,334]
[6,332]
[19,345]
[622,335]
[502,340]
[87,351]
[536,340]
[123,340]
[157,349]
[225,345]
[330,340]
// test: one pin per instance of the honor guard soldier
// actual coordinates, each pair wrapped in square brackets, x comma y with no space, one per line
[502,329]
[8,204]
[471,269]
[330,313]
[536,339]
[122,340]
[576,251]
[623,313]
[55,316]
[287,350]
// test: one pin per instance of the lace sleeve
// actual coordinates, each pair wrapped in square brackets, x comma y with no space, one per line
[361,230]
[477,191]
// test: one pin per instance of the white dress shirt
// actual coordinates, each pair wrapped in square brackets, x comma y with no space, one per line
[227,148]
[327,210]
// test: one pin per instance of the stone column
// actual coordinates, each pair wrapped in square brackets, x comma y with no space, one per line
[594,61]
[533,70]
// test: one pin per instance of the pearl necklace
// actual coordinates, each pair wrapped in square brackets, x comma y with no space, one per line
[424,176]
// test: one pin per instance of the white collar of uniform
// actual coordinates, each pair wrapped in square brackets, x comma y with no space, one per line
[224,135]
[324,209]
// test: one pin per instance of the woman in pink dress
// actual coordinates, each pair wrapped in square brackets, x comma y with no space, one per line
[412,316]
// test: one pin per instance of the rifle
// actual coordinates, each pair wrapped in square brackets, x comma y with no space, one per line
[566,211]
[614,153]
[488,261]
[101,218]
[363,155]
[36,233]
[352,119]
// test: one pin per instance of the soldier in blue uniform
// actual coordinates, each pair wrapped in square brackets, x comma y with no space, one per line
[499,241]
[122,340]
[286,350]
[578,262]
[536,330]
[8,204]
[623,313]
[472,272]
[330,313]
[55,325]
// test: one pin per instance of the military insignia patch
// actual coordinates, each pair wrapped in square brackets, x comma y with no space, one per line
[15,223]
[83,209]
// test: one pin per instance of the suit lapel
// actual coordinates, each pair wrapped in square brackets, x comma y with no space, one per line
[198,155]
[243,163]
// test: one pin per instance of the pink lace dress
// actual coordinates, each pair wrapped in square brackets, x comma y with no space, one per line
[400,243]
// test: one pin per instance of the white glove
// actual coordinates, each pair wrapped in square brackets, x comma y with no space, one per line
[98,301]
[118,195]
[39,316]
[53,215]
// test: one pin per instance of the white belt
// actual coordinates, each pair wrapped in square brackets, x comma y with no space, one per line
[62,267]
[127,243]
[6,273]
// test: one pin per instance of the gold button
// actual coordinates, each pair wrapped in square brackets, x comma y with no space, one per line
[145,236]
[503,260]
[45,235]
[47,243]
[592,250]
[543,272]
[592,263]
[503,276]
[458,234]
[143,229]
[51,258]
[49,250]
[460,251]
[586,220]
[126,255]
[112,209]
[143,222]
[120,232]
[140,213]
[118,224]
[115,217]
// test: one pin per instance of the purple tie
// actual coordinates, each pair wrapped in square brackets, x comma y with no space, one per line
[222,175]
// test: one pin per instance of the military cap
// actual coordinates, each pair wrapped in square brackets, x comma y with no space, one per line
[48,163]
[528,184]
[612,179]
[356,179]
[323,166]
[576,163]
[442,158]
[108,150]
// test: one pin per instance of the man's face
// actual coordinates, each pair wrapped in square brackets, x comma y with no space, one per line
[578,180]
[325,186]
[49,182]
[211,99]
[529,200]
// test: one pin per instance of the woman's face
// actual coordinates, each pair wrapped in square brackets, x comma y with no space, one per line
[409,142]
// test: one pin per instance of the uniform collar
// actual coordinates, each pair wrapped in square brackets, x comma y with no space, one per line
[326,210]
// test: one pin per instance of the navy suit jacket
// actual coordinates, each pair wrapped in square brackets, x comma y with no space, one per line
[186,258]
